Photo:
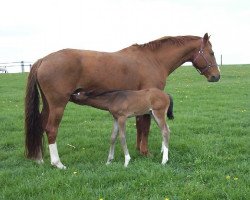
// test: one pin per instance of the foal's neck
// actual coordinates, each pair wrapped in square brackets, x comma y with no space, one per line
[102,102]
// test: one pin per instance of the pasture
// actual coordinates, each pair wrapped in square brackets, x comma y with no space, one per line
[209,146]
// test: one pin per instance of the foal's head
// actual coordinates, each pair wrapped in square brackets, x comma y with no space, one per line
[205,62]
[78,97]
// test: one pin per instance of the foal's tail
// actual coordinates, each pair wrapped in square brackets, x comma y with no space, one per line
[33,125]
[170,112]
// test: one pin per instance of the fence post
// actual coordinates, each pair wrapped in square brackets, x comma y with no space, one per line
[22,66]
[221,60]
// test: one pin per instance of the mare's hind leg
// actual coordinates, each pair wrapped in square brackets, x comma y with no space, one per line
[54,119]
[122,132]
[112,142]
[159,116]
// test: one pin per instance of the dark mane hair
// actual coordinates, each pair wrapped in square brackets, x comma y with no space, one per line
[167,40]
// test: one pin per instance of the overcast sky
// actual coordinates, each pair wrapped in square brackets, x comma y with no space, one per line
[30,29]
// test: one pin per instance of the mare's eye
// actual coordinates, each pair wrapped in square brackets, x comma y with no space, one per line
[212,53]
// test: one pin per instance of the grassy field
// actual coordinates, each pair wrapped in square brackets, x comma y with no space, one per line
[209,146]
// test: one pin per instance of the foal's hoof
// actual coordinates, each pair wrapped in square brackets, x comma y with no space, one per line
[127,159]
[108,162]
[164,162]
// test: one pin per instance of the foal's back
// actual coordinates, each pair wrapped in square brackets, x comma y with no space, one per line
[130,103]
[126,103]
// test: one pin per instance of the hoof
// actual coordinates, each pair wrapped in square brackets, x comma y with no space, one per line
[127,159]
[164,162]
[40,161]
[58,165]
[110,159]
[108,162]
[145,153]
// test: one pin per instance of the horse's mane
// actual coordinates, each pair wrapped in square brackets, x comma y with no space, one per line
[167,40]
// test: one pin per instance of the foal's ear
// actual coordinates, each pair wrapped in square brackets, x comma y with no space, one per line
[205,38]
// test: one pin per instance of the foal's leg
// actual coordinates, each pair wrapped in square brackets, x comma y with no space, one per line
[160,119]
[121,125]
[165,146]
[142,126]
[55,116]
[112,142]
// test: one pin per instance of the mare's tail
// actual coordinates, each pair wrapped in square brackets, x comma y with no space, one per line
[33,124]
[170,112]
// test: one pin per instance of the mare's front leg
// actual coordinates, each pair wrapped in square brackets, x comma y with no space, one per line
[121,125]
[143,126]
[160,119]
[112,142]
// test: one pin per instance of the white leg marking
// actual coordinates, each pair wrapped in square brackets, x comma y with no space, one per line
[55,160]
[162,147]
[165,154]
[111,154]
[39,160]
[112,143]
[127,159]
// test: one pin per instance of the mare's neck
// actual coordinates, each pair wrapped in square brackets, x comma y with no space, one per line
[173,56]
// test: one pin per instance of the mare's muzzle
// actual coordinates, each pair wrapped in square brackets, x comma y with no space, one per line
[214,78]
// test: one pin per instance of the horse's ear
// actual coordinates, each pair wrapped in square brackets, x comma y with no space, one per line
[205,38]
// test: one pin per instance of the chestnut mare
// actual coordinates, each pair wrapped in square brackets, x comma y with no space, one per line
[137,67]
[128,103]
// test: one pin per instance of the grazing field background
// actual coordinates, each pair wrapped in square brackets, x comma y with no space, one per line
[209,146]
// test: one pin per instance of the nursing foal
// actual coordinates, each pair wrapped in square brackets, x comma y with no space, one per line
[127,103]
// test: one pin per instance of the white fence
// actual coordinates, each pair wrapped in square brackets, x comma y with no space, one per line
[15,67]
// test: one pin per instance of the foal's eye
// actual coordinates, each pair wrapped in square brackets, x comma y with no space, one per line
[212,53]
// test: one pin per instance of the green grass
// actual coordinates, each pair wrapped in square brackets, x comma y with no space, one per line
[209,146]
